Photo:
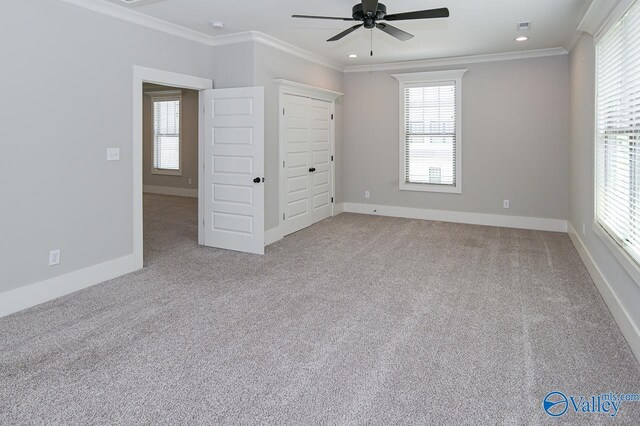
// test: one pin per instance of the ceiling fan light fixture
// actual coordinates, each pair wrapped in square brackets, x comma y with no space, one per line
[353,55]
[369,12]
[522,38]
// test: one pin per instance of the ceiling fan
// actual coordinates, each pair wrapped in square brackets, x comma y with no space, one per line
[369,12]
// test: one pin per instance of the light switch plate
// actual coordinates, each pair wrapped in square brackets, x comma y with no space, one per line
[113,154]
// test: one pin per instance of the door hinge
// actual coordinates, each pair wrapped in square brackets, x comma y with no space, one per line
[332,158]
[282,111]
[332,116]
[283,164]
[332,199]
[282,216]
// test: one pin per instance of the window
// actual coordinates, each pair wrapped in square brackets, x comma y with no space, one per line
[430,136]
[166,134]
[618,133]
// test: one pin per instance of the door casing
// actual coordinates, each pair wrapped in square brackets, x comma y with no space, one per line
[151,75]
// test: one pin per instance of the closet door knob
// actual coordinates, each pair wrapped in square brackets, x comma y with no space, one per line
[313,169]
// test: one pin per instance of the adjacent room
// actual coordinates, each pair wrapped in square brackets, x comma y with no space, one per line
[337,212]
[169,167]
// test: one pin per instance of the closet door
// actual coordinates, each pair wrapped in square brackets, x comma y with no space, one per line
[320,160]
[297,163]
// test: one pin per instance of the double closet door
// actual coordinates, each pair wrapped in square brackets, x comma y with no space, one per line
[307,162]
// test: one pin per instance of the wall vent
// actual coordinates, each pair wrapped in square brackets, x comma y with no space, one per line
[524,26]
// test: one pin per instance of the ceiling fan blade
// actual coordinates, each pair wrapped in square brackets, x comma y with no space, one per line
[370,7]
[345,33]
[393,31]
[333,18]
[420,14]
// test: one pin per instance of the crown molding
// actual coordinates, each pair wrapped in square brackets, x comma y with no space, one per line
[458,60]
[135,17]
[268,40]
[602,15]
[597,15]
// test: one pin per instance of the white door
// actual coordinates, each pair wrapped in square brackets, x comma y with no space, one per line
[320,160]
[297,113]
[307,162]
[234,169]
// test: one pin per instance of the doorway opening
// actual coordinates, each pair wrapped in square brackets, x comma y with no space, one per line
[163,159]
[169,169]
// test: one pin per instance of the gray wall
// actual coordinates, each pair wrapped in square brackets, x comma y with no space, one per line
[233,65]
[189,141]
[57,189]
[515,140]
[270,64]
[582,179]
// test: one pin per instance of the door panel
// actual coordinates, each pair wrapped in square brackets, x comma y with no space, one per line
[297,206]
[321,185]
[234,157]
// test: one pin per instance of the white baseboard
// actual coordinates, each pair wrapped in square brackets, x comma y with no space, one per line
[272,235]
[44,291]
[629,328]
[167,190]
[521,222]
[338,208]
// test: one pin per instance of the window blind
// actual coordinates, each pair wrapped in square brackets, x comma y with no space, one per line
[430,134]
[618,132]
[166,122]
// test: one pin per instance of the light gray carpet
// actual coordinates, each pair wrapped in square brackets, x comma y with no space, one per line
[356,320]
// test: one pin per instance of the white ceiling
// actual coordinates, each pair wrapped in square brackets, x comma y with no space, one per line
[475,27]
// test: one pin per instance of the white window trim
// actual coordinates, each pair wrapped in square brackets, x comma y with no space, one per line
[165,96]
[612,243]
[431,78]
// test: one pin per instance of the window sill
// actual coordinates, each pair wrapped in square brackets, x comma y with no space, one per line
[166,172]
[623,258]
[447,189]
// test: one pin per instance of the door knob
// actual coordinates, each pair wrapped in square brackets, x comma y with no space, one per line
[313,169]
[256,180]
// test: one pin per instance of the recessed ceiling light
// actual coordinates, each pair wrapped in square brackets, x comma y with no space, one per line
[216,25]
[353,55]
[522,38]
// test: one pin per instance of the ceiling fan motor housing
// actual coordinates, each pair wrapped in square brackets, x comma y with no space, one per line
[369,21]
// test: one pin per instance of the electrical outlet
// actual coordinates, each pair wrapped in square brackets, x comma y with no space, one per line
[54,257]
[113,154]
[506,204]
[367,194]
[584,229]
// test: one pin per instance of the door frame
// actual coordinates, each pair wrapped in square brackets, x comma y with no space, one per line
[288,87]
[184,81]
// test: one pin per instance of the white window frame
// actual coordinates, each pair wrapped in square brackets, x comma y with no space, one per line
[431,78]
[168,95]
[618,248]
